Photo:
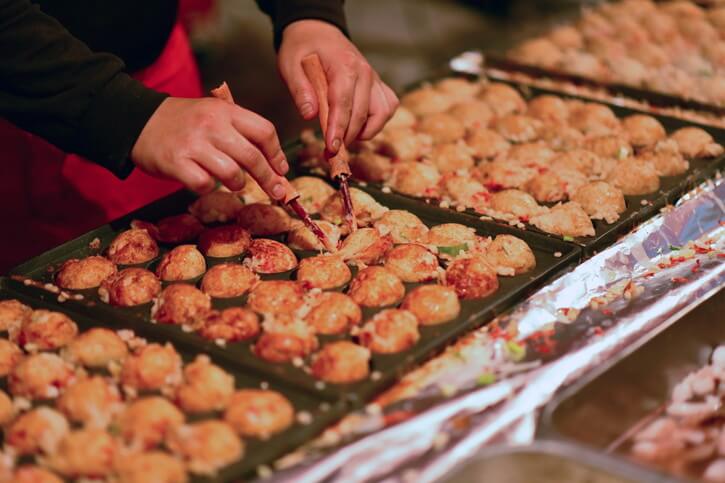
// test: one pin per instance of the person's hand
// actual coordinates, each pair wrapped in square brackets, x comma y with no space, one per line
[360,103]
[196,140]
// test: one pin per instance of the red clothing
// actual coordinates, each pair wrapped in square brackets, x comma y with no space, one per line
[49,197]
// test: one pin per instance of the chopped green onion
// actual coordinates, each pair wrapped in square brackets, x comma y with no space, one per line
[675,247]
[454,250]
[486,379]
[568,238]
[516,350]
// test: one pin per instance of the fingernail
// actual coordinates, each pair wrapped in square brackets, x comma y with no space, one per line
[284,166]
[278,191]
[306,109]
[336,144]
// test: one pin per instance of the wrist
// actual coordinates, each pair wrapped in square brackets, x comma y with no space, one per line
[309,28]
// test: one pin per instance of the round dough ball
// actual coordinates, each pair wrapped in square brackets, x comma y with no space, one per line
[405,144]
[693,143]
[432,304]
[85,453]
[230,325]
[549,109]
[224,241]
[259,413]
[145,421]
[34,474]
[341,362]
[206,446]
[39,430]
[10,355]
[183,228]
[601,201]
[452,235]
[333,313]
[365,246]
[7,409]
[458,89]
[285,338]
[403,226]
[643,131]
[473,113]
[402,117]
[154,466]
[301,238]
[40,376]
[465,191]
[276,297]
[502,99]
[510,255]
[132,247]
[518,128]
[442,127]
[415,179]
[184,262]
[270,256]
[96,347]
[129,287]
[486,143]
[568,219]
[666,158]
[45,330]
[371,166]
[206,387]
[314,192]
[452,157]
[228,280]
[412,263]
[180,304]
[634,177]
[555,185]
[471,277]
[609,146]
[376,287]
[390,331]
[323,272]
[515,202]
[366,209]
[91,401]
[425,100]
[13,313]
[264,220]
[152,366]
[216,207]
[540,51]
[88,272]
[594,119]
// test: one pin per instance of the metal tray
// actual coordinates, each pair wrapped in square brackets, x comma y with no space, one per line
[387,368]
[654,98]
[639,208]
[546,462]
[323,412]
[605,405]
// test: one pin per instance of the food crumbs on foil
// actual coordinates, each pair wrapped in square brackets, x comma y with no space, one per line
[376,375]
[304,417]
[220,342]
[557,254]
[264,471]
[320,385]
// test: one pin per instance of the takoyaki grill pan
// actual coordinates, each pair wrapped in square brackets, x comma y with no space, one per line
[552,257]
[600,409]
[639,208]
[321,411]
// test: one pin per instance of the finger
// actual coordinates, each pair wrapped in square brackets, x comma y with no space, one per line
[263,135]
[380,111]
[251,159]
[392,98]
[299,86]
[222,167]
[340,96]
[360,103]
[191,175]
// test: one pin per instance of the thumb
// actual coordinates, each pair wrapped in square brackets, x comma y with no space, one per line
[300,88]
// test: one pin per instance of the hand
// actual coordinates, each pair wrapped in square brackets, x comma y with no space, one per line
[360,103]
[196,140]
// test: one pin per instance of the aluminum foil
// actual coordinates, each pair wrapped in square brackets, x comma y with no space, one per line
[604,308]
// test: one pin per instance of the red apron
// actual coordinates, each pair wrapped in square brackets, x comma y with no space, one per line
[49,197]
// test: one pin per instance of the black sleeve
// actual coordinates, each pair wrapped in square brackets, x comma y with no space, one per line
[51,84]
[284,12]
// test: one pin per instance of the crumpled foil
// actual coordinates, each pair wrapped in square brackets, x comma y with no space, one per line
[484,390]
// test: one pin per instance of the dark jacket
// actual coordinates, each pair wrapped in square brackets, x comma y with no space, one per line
[64,67]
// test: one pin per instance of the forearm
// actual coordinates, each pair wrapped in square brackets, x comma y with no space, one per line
[54,86]
[284,12]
